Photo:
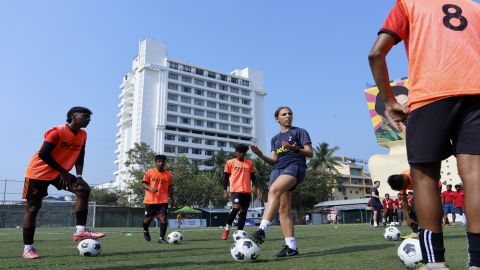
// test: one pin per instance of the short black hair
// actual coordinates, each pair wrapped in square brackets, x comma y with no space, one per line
[396,181]
[449,185]
[457,186]
[376,182]
[160,158]
[386,194]
[241,148]
[77,109]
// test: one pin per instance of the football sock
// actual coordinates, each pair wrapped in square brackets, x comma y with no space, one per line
[242,217]
[431,245]
[473,249]
[145,226]
[265,225]
[231,216]
[79,229]
[27,247]
[163,229]
[28,234]
[81,217]
[291,242]
[227,227]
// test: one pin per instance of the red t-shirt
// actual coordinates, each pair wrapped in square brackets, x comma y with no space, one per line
[398,203]
[448,196]
[387,203]
[459,198]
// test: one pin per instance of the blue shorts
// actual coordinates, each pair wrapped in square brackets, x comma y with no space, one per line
[376,206]
[297,171]
[459,210]
[448,208]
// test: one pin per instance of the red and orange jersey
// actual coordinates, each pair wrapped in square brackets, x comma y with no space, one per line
[159,180]
[442,39]
[240,171]
[66,152]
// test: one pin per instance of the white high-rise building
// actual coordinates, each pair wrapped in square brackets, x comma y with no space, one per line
[183,109]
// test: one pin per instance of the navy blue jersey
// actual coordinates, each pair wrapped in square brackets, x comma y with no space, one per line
[375,199]
[294,136]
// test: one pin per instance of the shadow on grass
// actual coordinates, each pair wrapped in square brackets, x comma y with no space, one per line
[189,264]
[346,250]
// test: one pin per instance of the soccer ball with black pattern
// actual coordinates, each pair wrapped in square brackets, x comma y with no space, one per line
[409,252]
[239,235]
[174,237]
[89,247]
[245,250]
[392,233]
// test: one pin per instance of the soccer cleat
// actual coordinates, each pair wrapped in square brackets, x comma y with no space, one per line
[433,266]
[258,236]
[287,252]
[30,254]
[225,234]
[87,234]
[146,236]
[162,240]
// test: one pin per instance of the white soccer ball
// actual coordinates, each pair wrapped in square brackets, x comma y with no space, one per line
[392,233]
[394,224]
[239,235]
[409,252]
[174,237]
[244,250]
[89,247]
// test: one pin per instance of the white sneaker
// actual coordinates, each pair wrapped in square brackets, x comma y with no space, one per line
[434,266]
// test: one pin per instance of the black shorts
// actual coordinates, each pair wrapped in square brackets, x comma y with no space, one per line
[243,199]
[152,210]
[34,189]
[442,128]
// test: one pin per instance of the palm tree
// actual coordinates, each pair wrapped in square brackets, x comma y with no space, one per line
[324,159]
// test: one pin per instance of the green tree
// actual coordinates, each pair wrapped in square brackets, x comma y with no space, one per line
[324,158]
[263,176]
[103,197]
[140,159]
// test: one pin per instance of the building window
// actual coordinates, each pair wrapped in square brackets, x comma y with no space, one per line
[235,118]
[246,83]
[223,107]
[223,87]
[245,92]
[172,97]
[172,76]
[169,137]
[173,65]
[211,114]
[211,124]
[199,92]
[246,130]
[223,77]
[186,89]
[223,97]
[234,99]
[235,108]
[172,86]
[183,139]
[172,118]
[211,75]
[186,79]
[185,120]
[183,150]
[199,71]
[211,94]
[196,151]
[246,101]
[186,100]
[198,123]
[187,68]
[199,82]
[223,116]
[245,111]
[198,102]
[211,104]
[223,126]
[234,90]
[221,144]
[171,107]
[197,140]
[246,120]
[199,112]
[233,80]
[211,85]
[209,142]
[209,153]
[235,128]
[186,110]
[169,149]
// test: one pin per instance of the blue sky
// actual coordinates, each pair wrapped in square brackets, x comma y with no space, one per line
[59,54]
